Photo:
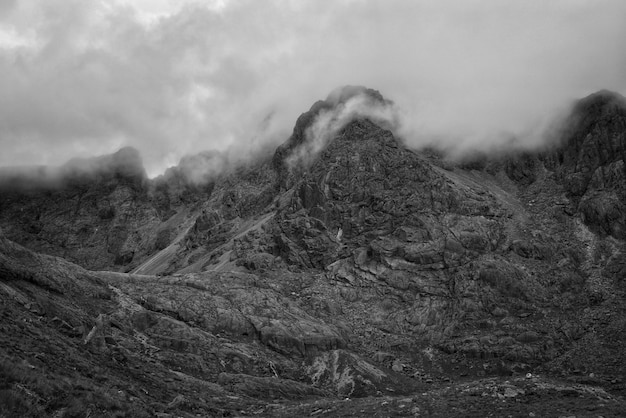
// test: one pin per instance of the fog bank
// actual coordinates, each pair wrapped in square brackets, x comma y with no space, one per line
[177,78]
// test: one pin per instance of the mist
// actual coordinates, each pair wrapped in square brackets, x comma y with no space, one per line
[329,121]
[173,79]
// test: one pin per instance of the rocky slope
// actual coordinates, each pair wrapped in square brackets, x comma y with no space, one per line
[590,162]
[101,213]
[366,271]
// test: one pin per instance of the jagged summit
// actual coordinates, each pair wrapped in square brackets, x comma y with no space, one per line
[345,93]
[594,133]
[591,161]
[602,101]
[599,109]
[326,118]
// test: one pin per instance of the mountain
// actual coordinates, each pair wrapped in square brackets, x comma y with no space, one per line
[347,277]
[590,162]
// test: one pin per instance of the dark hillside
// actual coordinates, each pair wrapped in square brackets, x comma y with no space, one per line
[368,280]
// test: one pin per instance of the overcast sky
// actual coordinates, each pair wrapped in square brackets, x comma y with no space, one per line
[81,78]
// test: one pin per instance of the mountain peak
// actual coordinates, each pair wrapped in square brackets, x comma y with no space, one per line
[599,104]
[327,119]
[605,96]
[591,160]
[345,93]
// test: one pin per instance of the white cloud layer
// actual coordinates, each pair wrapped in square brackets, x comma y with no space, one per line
[172,78]
[329,122]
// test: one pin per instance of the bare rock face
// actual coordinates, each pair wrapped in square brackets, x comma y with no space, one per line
[102,213]
[591,161]
[393,232]
[301,134]
[90,211]
[241,305]
[348,375]
[355,268]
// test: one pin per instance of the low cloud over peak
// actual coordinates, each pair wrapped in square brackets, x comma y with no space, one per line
[176,78]
[327,118]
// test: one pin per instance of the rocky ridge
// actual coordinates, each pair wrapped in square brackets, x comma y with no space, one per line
[373,272]
[590,164]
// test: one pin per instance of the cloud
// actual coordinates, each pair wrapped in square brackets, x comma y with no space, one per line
[330,120]
[176,78]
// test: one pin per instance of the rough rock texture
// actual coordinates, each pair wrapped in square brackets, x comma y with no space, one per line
[300,135]
[101,213]
[93,215]
[158,340]
[591,163]
[401,281]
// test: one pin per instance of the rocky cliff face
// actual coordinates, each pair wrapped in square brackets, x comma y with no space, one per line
[101,213]
[590,161]
[367,271]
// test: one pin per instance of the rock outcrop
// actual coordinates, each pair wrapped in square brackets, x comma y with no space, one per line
[591,161]
[102,213]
